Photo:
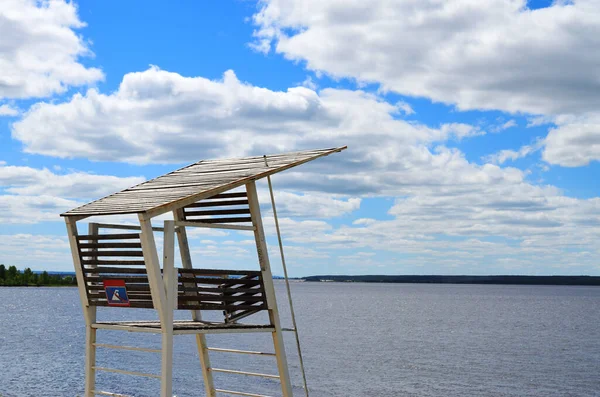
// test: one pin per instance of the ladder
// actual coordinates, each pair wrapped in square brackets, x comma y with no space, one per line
[207,369]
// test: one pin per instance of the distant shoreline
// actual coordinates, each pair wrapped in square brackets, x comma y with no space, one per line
[498,280]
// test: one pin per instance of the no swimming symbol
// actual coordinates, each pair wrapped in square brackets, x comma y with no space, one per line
[116,293]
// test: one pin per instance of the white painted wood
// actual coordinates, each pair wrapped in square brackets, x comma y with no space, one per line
[170,285]
[265,267]
[90,352]
[155,280]
[125,227]
[152,330]
[107,393]
[72,234]
[186,262]
[231,371]
[90,335]
[217,349]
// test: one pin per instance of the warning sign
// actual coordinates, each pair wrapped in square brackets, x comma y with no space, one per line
[116,293]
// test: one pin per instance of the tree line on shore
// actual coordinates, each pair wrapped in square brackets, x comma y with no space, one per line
[11,276]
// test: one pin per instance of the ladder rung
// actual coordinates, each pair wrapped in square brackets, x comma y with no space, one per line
[120,371]
[141,349]
[240,393]
[288,329]
[231,371]
[107,393]
[216,349]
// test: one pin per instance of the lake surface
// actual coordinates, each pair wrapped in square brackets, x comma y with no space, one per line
[358,340]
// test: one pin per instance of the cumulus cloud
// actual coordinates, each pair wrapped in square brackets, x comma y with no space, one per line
[446,207]
[573,143]
[505,155]
[7,110]
[32,195]
[477,55]
[159,116]
[492,55]
[33,181]
[40,49]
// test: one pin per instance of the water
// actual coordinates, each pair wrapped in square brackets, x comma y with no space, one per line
[358,340]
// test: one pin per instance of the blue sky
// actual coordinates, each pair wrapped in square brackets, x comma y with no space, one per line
[473,129]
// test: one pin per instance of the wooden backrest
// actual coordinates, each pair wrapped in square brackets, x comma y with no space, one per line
[238,293]
[114,257]
[221,208]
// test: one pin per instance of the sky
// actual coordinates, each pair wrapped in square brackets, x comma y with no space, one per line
[473,128]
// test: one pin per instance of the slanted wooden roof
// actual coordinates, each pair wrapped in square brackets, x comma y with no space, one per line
[195,182]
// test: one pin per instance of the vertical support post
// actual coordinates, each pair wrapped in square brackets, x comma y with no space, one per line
[170,284]
[89,312]
[159,300]
[265,268]
[186,262]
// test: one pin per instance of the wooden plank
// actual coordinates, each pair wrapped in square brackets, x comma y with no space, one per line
[132,303]
[218,298]
[127,279]
[122,236]
[130,287]
[227,195]
[218,281]
[110,245]
[236,211]
[158,202]
[111,253]
[225,220]
[111,262]
[220,272]
[217,203]
[119,270]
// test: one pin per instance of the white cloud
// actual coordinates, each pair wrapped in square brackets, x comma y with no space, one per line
[7,110]
[574,142]
[312,205]
[33,181]
[463,52]
[38,252]
[487,55]
[505,155]
[32,195]
[157,116]
[40,49]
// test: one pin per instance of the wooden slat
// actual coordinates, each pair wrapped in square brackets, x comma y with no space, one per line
[127,279]
[110,262]
[132,303]
[228,195]
[210,179]
[122,236]
[217,212]
[111,253]
[218,281]
[119,270]
[225,220]
[130,287]
[219,272]
[217,203]
[110,245]
[216,298]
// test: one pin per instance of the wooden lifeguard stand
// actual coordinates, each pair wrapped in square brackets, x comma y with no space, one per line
[122,269]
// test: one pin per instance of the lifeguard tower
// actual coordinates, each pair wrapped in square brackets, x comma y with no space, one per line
[122,268]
